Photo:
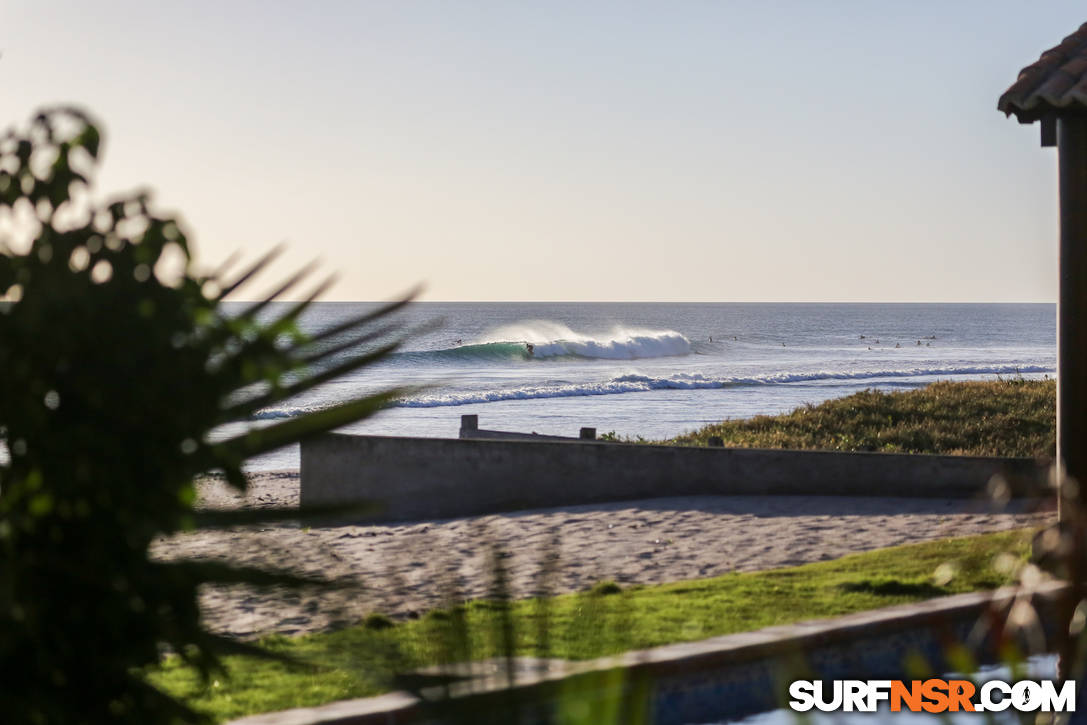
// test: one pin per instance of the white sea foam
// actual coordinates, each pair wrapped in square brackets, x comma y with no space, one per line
[287,411]
[554,339]
[634,383]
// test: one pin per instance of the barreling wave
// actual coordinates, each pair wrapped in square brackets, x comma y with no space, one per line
[644,383]
[550,340]
[495,352]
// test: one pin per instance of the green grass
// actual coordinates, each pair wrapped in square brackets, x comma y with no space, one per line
[358,661]
[1001,418]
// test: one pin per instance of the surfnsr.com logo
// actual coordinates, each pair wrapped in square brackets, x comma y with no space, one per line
[934,696]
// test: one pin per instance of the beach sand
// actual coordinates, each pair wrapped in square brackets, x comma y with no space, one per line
[405,569]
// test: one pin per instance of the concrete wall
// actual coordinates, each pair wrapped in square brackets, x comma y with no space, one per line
[428,478]
[469,428]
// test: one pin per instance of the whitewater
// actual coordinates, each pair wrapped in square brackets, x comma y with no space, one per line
[657,370]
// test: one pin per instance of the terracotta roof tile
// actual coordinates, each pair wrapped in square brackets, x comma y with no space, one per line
[1056,84]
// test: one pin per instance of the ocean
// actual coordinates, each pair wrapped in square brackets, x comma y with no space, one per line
[659,369]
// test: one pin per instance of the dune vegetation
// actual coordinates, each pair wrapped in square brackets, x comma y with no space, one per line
[1006,417]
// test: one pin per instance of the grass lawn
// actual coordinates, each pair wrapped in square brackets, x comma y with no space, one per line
[1000,418]
[358,661]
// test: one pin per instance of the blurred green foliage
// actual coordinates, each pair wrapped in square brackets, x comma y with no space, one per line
[115,371]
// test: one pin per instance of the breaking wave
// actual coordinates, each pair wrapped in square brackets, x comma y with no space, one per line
[635,383]
[645,383]
[550,340]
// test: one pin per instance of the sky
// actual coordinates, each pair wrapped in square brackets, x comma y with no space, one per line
[731,150]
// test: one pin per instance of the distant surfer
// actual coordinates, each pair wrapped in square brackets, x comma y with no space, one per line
[531,348]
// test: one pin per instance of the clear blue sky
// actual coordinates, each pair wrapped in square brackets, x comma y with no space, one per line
[727,150]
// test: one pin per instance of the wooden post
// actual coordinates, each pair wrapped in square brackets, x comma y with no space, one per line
[1072,308]
[1072,364]
[587,434]
[469,422]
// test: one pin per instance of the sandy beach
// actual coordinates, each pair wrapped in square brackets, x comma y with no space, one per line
[405,569]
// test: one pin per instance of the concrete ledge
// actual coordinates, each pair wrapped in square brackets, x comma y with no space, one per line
[469,428]
[392,709]
[434,478]
[713,679]
[503,435]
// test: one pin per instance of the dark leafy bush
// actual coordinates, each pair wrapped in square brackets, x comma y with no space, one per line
[112,377]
